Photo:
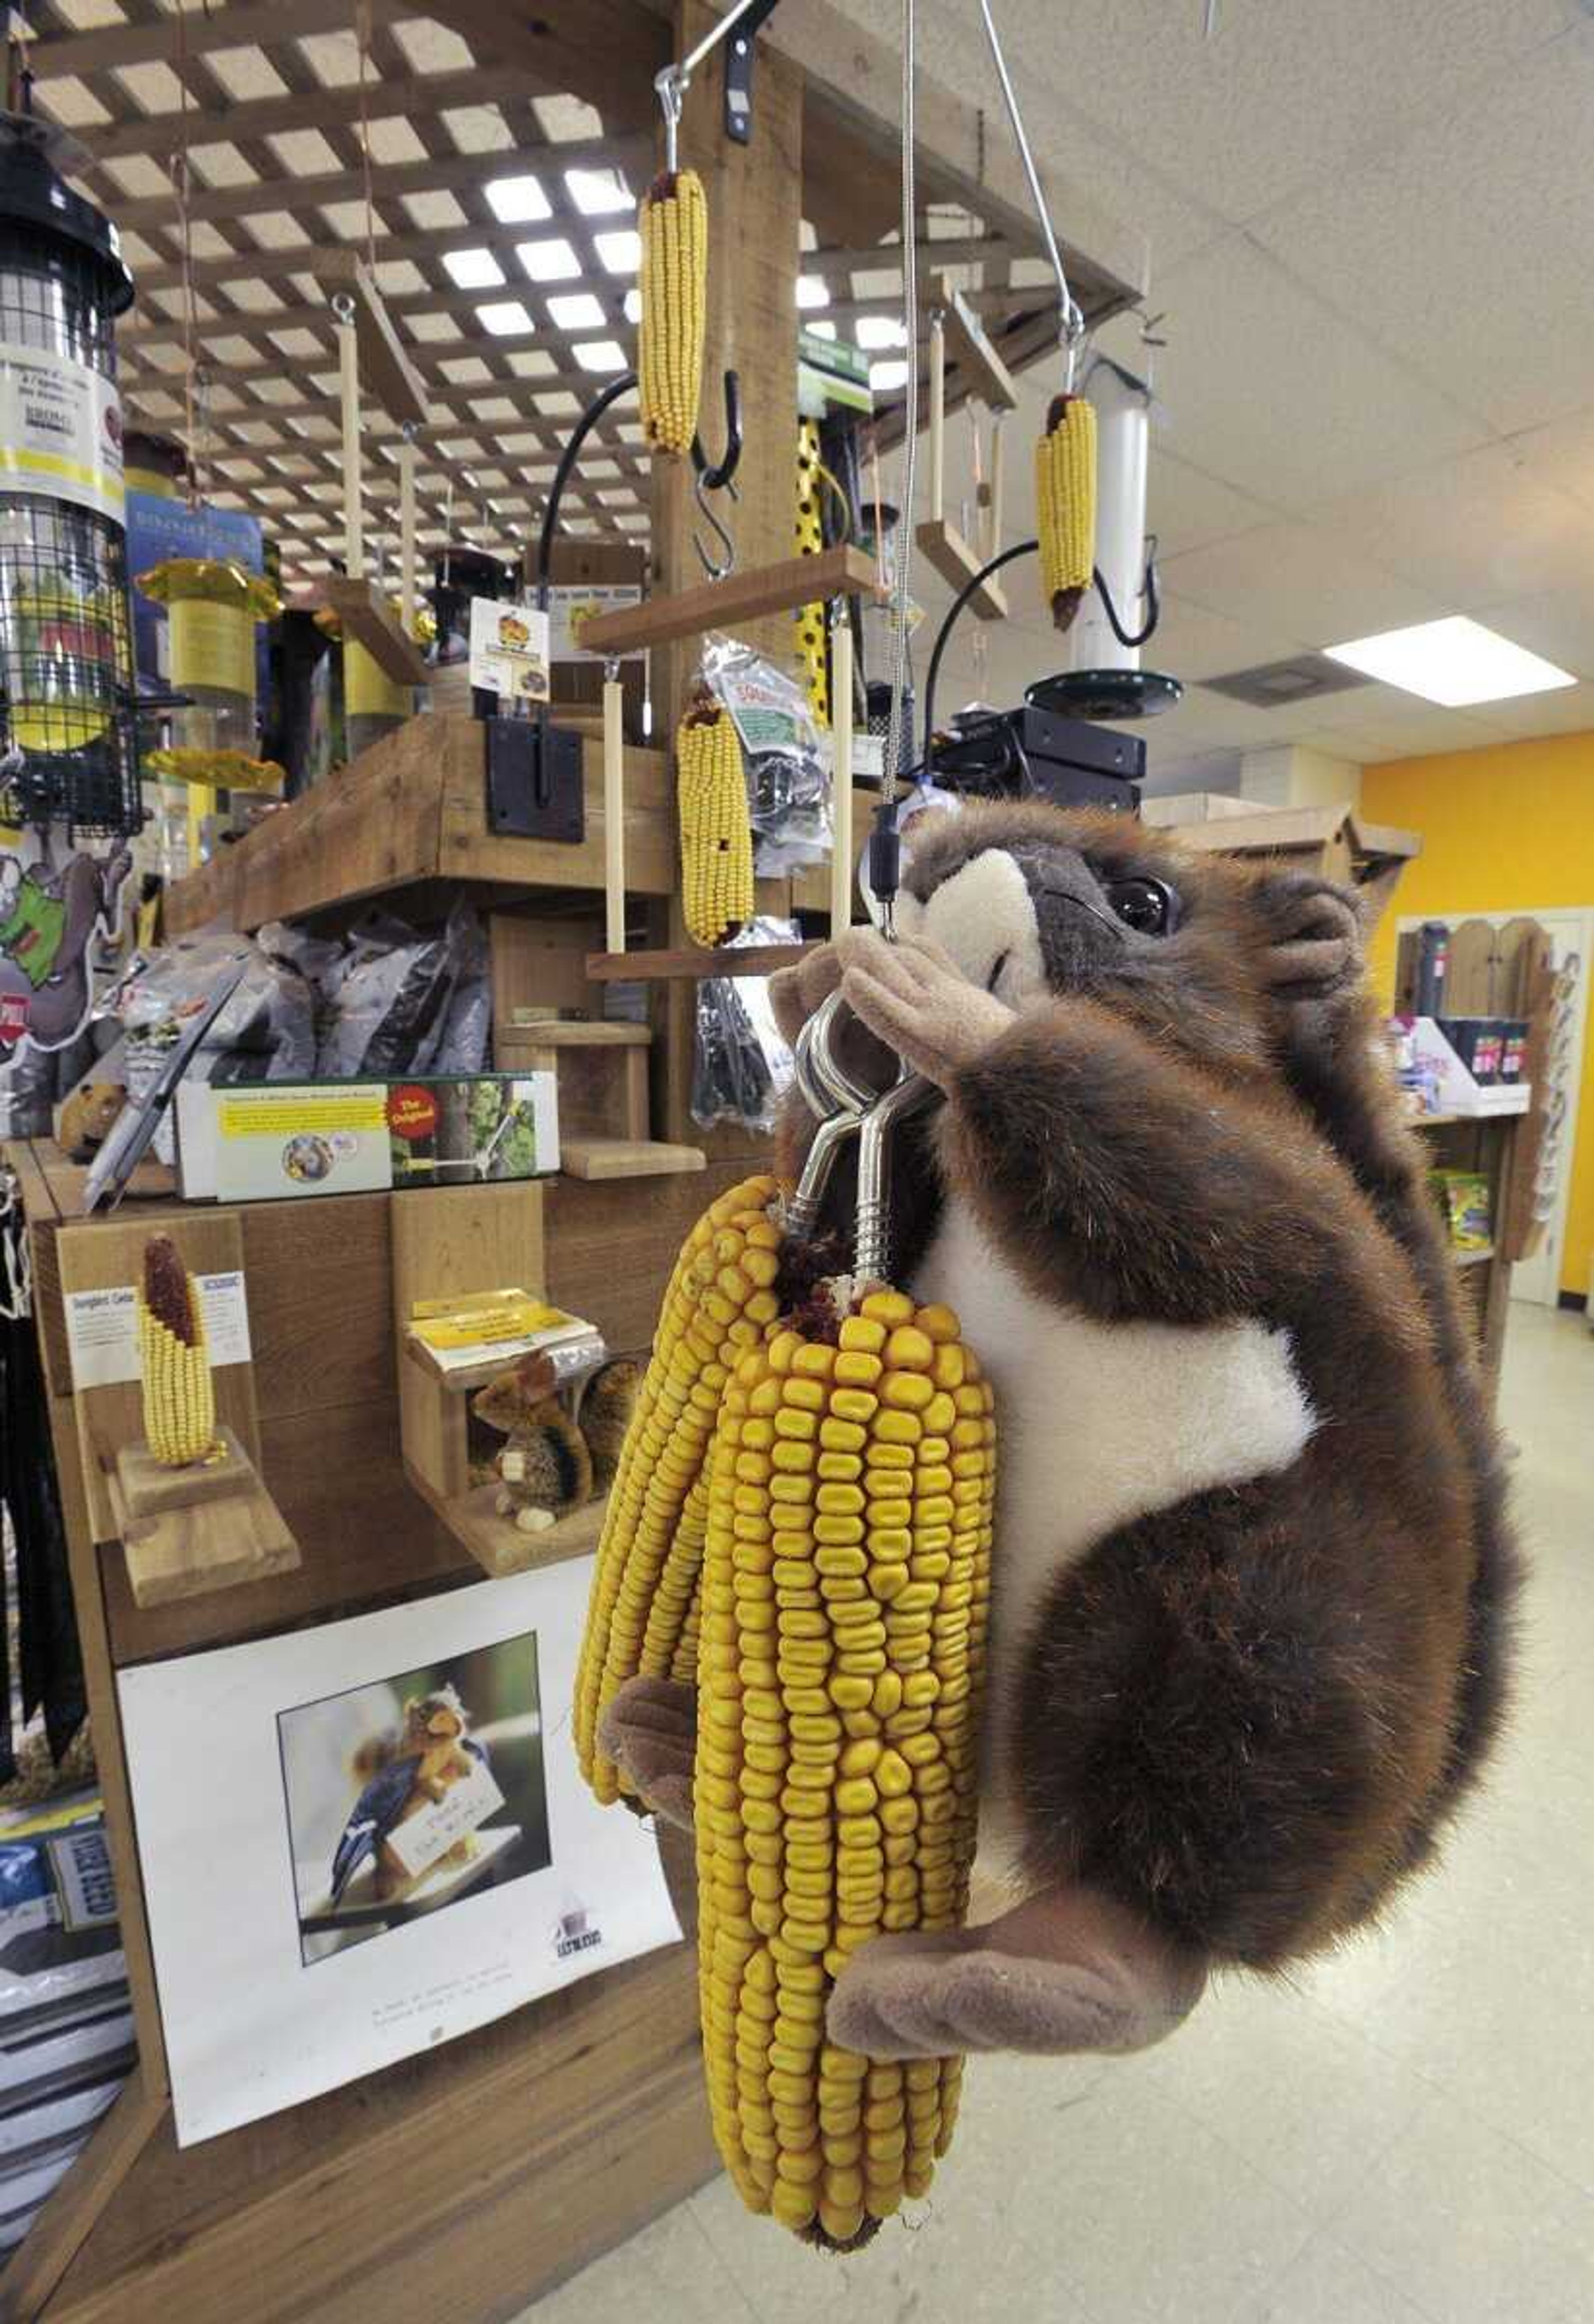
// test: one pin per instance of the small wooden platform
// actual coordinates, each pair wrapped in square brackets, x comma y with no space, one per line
[217,1542]
[497,1544]
[384,367]
[948,554]
[627,1158]
[727,605]
[368,618]
[150,1487]
[694,961]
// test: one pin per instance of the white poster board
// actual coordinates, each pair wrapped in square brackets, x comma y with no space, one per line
[295,1948]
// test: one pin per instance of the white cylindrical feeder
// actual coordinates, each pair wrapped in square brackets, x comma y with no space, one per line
[1123,426]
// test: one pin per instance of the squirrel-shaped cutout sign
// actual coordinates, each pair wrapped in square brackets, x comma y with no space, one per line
[432,1754]
[1253,1573]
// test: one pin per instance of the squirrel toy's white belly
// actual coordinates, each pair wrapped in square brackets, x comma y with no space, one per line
[1098,1424]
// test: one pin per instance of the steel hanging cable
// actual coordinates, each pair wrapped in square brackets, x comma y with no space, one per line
[1072,321]
[904,544]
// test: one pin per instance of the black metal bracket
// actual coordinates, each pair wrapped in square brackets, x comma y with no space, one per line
[535,788]
[739,71]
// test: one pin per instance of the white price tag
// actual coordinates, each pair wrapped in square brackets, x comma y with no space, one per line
[422,1839]
[102,1328]
[508,649]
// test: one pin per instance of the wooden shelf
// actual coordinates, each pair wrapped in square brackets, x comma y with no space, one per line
[945,550]
[726,605]
[408,814]
[496,1543]
[1473,1258]
[694,961]
[627,1158]
[368,618]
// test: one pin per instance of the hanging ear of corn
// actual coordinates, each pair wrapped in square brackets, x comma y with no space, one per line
[643,1616]
[1066,503]
[810,540]
[844,1590]
[716,833]
[673,224]
[174,1362]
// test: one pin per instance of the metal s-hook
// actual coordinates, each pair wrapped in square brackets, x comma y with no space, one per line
[716,572]
[717,475]
[670,88]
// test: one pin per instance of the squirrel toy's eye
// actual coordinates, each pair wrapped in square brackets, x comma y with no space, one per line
[1149,907]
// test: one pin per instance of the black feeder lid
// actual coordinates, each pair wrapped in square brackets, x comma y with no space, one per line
[1104,694]
[32,193]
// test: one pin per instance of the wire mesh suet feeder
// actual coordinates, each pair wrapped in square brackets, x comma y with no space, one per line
[66,639]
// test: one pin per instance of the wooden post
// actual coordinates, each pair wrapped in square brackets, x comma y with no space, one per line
[754,197]
[992,539]
[841,796]
[348,368]
[937,420]
[406,530]
[614,808]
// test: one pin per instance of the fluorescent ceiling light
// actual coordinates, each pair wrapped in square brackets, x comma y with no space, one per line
[1455,661]
[578,311]
[548,262]
[601,355]
[813,291]
[822,330]
[504,317]
[634,306]
[473,270]
[517,201]
[885,376]
[597,192]
[622,251]
[878,331]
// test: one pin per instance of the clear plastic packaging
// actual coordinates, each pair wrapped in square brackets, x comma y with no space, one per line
[391,998]
[787,758]
[740,1065]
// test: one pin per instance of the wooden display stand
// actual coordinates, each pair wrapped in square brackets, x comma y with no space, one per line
[601,1067]
[206,1526]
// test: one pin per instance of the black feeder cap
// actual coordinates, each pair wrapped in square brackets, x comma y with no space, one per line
[33,193]
[1104,694]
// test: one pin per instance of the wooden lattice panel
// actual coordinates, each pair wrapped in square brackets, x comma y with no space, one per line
[496,211]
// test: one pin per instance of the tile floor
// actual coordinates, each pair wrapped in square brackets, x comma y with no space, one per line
[1405,2137]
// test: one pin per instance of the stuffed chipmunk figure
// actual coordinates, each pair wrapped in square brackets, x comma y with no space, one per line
[432,1753]
[552,1463]
[1253,1575]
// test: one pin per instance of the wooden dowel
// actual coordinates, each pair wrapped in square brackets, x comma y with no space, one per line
[407,532]
[937,419]
[613,812]
[354,514]
[993,526]
[840,795]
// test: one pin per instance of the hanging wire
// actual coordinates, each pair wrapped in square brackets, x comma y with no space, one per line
[904,542]
[1071,315]
[183,188]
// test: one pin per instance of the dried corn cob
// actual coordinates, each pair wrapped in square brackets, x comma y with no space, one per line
[672,222]
[1066,503]
[643,1620]
[179,1398]
[716,833]
[844,1591]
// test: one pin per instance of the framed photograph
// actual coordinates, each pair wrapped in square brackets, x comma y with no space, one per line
[362,1839]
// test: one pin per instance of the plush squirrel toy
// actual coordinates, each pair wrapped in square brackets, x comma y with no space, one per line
[1253,1575]
[550,1464]
[433,1753]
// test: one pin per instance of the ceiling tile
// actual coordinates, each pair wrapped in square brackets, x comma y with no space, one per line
[1192,641]
[1559,623]
[1463,248]
[1187,509]
[1269,390]
[1293,578]
[1471,531]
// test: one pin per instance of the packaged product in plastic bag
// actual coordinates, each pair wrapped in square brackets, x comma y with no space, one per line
[390,1000]
[787,758]
[740,1065]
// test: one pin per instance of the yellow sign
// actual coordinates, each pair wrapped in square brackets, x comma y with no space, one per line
[258,1116]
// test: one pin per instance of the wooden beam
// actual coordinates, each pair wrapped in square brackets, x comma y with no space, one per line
[423,96]
[731,603]
[109,47]
[385,368]
[388,183]
[606,51]
[369,618]
[672,964]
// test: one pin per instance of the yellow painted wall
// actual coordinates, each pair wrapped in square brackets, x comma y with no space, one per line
[1508,829]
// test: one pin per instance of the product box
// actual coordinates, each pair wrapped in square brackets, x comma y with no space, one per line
[1464,1198]
[258,1142]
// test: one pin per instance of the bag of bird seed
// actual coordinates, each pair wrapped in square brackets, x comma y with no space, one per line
[786,757]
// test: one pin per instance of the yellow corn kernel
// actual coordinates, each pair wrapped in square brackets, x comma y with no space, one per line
[1066,503]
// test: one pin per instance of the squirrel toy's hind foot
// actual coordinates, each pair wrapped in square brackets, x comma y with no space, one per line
[650,1731]
[1064,1972]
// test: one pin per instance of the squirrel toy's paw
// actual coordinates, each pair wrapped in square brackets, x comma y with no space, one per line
[1064,1972]
[917,999]
[650,1731]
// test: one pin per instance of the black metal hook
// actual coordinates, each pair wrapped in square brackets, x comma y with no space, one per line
[716,477]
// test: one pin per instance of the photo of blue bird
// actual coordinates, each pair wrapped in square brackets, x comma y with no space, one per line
[434,1752]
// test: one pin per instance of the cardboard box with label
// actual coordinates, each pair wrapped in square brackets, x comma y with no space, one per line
[265,1140]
